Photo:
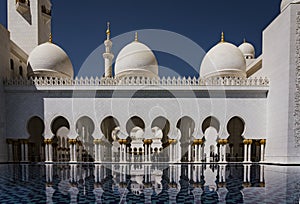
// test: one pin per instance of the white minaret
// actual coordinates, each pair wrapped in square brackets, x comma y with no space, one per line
[108,55]
[29,22]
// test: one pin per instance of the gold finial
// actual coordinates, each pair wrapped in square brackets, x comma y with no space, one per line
[108,30]
[136,38]
[245,40]
[50,38]
[222,37]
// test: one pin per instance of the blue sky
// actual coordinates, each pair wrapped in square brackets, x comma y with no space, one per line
[79,26]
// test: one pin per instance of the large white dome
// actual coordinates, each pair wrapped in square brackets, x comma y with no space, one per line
[136,59]
[224,59]
[49,60]
[248,50]
[285,3]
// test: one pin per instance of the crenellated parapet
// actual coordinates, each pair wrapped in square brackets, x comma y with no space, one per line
[138,81]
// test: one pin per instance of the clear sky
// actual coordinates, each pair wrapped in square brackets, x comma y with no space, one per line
[79,26]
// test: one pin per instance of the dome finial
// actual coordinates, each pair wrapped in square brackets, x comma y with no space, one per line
[108,30]
[50,38]
[136,38]
[245,40]
[222,37]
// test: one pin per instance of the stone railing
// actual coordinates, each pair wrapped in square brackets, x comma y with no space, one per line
[218,81]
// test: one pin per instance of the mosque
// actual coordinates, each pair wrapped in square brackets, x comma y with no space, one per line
[242,108]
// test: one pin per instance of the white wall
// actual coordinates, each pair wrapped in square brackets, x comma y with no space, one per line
[279,65]
[28,34]
[21,105]
[4,52]
[4,72]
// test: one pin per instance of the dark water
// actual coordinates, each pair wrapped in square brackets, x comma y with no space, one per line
[149,183]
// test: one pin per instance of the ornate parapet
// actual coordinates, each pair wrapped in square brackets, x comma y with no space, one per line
[217,81]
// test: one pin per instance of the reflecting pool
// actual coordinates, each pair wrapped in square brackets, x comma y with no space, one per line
[149,183]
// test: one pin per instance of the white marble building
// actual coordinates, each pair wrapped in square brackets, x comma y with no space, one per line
[241,108]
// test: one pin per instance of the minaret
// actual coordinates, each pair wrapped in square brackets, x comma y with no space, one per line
[108,55]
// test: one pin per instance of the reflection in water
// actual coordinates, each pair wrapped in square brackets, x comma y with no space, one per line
[149,183]
[137,183]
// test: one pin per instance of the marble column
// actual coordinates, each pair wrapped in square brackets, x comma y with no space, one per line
[26,151]
[262,172]
[249,151]
[75,152]
[48,150]
[124,152]
[10,151]
[224,150]
[22,151]
[171,153]
[96,152]
[196,158]
[245,150]
[100,155]
[71,153]
[189,153]
[262,150]
[145,153]
[79,155]
[200,153]
[46,153]
[245,173]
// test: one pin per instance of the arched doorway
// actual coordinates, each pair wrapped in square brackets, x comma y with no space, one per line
[108,127]
[161,125]
[235,128]
[135,127]
[85,128]
[186,125]
[211,128]
[60,127]
[35,128]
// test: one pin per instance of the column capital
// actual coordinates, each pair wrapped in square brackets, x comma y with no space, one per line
[72,141]
[48,141]
[172,141]
[198,142]
[122,141]
[98,141]
[263,142]
[148,141]
[223,142]
[25,141]
[247,141]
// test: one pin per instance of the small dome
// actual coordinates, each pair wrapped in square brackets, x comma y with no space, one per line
[248,50]
[224,59]
[285,3]
[136,59]
[49,60]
